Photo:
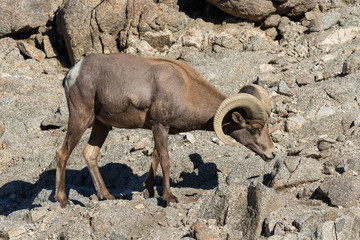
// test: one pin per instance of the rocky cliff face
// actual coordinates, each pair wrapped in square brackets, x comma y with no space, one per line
[306,54]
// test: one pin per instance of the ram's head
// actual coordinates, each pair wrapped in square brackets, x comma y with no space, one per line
[245,118]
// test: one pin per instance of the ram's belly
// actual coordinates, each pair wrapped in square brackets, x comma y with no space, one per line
[131,118]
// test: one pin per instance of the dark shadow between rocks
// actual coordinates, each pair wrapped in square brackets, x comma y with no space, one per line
[204,10]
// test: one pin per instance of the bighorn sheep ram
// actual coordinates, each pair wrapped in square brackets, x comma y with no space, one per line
[165,96]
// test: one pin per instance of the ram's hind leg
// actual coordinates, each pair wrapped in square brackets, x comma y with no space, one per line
[161,134]
[150,179]
[98,135]
[73,135]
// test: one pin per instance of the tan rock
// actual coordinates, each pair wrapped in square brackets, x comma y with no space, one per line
[31,51]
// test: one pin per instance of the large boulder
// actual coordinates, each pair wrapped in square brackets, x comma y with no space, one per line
[91,26]
[23,15]
[259,10]
[295,8]
[95,26]
[256,10]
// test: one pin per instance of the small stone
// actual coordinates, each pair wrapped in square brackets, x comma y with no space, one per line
[282,112]
[319,76]
[37,214]
[325,112]
[189,138]
[267,80]
[294,123]
[2,129]
[352,64]
[31,51]
[310,153]
[272,21]
[217,141]
[200,231]
[48,47]
[292,162]
[304,79]
[271,32]
[283,89]
[140,206]
[16,232]
[352,165]
[324,145]
[266,68]
[94,197]
[57,120]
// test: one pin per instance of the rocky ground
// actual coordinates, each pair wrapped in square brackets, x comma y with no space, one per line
[309,64]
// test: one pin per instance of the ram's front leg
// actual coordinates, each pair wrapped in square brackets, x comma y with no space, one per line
[161,134]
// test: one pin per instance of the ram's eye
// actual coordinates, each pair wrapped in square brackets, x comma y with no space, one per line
[255,130]
[258,131]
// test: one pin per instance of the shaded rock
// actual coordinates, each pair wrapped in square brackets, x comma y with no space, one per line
[324,21]
[19,16]
[50,43]
[341,191]
[256,10]
[31,51]
[49,48]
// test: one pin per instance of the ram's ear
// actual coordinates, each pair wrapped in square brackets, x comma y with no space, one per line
[238,118]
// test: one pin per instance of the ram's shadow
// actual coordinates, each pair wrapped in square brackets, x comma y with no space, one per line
[204,175]
[119,179]
[17,195]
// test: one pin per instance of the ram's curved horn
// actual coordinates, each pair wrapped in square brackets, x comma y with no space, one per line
[250,104]
[260,93]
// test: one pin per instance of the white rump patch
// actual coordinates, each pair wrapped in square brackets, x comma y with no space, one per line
[71,77]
